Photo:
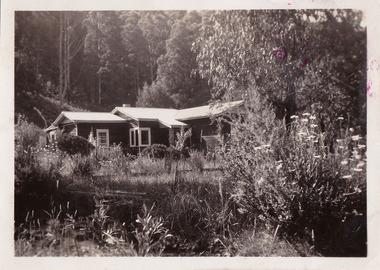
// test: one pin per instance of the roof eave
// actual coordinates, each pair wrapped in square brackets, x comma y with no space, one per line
[50,128]
[101,121]
[173,126]
[126,114]
[60,118]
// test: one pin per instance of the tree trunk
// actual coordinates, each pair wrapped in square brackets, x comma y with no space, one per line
[137,81]
[68,56]
[65,56]
[100,89]
[60,57]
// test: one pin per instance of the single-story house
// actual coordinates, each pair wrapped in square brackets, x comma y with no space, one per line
[137,127]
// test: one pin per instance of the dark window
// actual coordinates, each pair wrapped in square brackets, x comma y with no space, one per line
[144,137]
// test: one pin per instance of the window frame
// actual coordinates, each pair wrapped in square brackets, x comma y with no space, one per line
[140,136]
[53,136]
[137,136]
[132,132]
[98,142]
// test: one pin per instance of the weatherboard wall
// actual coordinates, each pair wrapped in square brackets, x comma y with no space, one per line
[118,132]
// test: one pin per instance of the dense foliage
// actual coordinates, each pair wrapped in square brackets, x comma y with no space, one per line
[292,192]
[74,144]
[296,59]
[88,58]
[299,178]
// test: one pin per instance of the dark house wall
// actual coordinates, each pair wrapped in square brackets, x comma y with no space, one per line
[159,133]
[118,132]
[205,127]
[199,127]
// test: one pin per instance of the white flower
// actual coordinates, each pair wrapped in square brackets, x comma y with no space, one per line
[306,114]
[344,162]
[319,156]
[313,125]
[356,170]
[361,146]
[358,156]
[351,129]
[339,140]
[279,167]
[340,118]
[312,117]
[293,117]
[347,176]
[356,138]
[305,120]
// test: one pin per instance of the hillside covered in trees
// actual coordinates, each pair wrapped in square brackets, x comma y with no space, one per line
[98,60]
[296,60]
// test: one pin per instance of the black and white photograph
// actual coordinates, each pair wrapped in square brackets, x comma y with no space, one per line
[199,133]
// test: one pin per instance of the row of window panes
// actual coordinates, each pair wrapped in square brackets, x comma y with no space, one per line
[139,137]
[142,135]
[102,136]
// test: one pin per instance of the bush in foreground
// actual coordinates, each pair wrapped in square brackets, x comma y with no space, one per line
[74,144]
[298,179]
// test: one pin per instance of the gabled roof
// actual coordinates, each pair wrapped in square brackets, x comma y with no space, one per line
[88,117]
[169,117]
[173,117]
[206,111]
[51,128]
[164,116]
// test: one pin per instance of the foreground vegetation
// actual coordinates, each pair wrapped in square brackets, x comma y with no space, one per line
[296,192]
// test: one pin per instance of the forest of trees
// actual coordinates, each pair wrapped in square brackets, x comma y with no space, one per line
[295,59]
[98,60]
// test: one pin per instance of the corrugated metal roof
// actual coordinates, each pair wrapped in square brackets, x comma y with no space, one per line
[88,117]
[206,111]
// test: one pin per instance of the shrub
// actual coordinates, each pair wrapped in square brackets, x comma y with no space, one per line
[112,160]
[298,178]
[84,166]
[150,233]
[28,135]
[182,137]
[50,157]
[196,160]
[74,144]
[155,151]
[35,187]
[148,166]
